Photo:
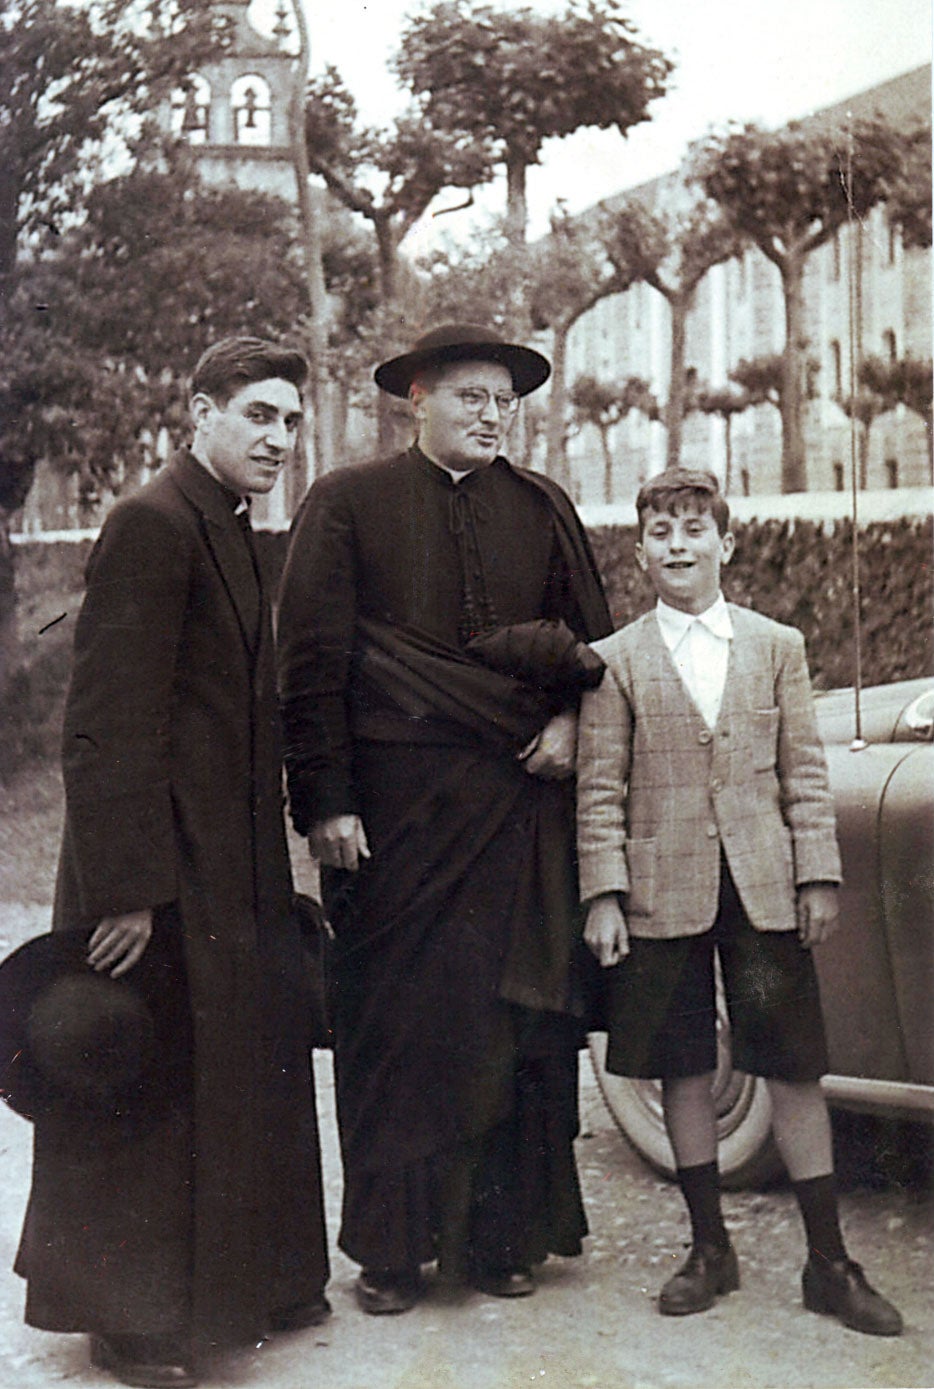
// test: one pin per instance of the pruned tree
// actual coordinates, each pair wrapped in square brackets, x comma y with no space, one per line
[569,272]
[671,252]
[789,191]
[909,382]
[411,162]
[69,77]
[908,201]
[724,402]
[512,79]
[605,404]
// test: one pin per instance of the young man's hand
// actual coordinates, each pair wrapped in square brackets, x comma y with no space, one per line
[606,932]
[118,942]
[818,914]
[552,753]
[339,842]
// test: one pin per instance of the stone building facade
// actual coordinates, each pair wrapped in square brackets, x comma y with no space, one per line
[739,313]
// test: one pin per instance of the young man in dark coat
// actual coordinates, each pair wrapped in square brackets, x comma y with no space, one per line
[433,612]
[204,1226]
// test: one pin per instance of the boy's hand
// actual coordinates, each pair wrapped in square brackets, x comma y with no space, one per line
[606,932]
[552,752]
[818,916]
[118,942]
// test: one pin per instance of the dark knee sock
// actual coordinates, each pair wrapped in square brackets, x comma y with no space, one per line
[817,1198]
[700,1186]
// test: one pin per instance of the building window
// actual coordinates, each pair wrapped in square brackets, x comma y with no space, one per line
[835,253]
[838,477]
[893,242]
[891,472]
[249,103]
[744,481]
[836,367]
[890,345]
[191,110]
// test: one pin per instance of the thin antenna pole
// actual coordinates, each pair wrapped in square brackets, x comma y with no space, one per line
[853,269]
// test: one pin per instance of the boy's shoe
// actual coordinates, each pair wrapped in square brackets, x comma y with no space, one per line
[382,1292]
[143,1361]
[839,1288]
[708,1272]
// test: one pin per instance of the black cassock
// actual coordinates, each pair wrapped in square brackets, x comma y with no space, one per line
[457,1003]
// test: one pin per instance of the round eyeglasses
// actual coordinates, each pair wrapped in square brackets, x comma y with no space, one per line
[477,398]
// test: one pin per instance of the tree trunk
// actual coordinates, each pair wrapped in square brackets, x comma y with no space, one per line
[556,462]
[792,403]
[517,214]
[8,630]
[9,222]
[314,269]
[728,441]
[607,464]
[388,279]
[674,411]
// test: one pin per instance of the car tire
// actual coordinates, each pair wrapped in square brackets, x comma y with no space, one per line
[746,1150]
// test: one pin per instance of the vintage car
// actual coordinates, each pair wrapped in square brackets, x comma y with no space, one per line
[875,973]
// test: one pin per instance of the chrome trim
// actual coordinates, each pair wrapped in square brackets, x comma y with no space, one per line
[879,1094]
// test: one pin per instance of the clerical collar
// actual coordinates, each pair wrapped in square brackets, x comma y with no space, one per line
[456,475]
[237,503]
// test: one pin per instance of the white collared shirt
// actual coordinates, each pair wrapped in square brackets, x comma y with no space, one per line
[700,649]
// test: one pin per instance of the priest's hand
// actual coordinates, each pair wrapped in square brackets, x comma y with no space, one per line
[118,942]
[552,753]
[339,842]
[606,931]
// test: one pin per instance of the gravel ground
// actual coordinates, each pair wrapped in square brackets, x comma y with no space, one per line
[593,1321]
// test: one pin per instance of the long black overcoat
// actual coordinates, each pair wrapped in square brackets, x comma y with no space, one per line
[171,761]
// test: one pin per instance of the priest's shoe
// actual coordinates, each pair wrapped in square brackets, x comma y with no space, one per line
[504,1282]
[839,1288]
[148,1362]
[708,1272]
[382,1292]
[300,1315]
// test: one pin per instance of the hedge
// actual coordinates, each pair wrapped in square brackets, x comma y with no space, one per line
[798,572]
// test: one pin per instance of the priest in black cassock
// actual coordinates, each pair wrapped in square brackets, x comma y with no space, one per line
[434,612]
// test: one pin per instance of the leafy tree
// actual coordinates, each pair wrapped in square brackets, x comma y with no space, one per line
[671,252]
[411,161]
[98,339]
[789,191]
[604,404]
[568,273]
[909,382]
[512,79]
[908,203]
[69,76]
[724,402]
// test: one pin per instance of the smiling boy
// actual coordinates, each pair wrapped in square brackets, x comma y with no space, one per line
[706,828]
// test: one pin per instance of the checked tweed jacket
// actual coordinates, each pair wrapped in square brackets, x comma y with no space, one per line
[660,793]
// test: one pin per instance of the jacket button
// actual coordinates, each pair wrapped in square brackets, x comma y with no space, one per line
[711,831]
[704,736]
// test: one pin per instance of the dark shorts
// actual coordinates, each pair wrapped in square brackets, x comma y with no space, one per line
[661,1008]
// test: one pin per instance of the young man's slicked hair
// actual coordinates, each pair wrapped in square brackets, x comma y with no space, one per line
[229,365]
[677,488]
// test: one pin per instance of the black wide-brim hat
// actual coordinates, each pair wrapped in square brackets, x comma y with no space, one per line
[464,342]
[81,1045]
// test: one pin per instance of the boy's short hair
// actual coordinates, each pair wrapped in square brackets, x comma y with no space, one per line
[673,489]
[229,365]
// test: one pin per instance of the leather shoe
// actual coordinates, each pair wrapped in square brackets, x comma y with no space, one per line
[383,1292]
[708,1272]
[839,1288]
[300,1315]
[147,1362]
[504,1282]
